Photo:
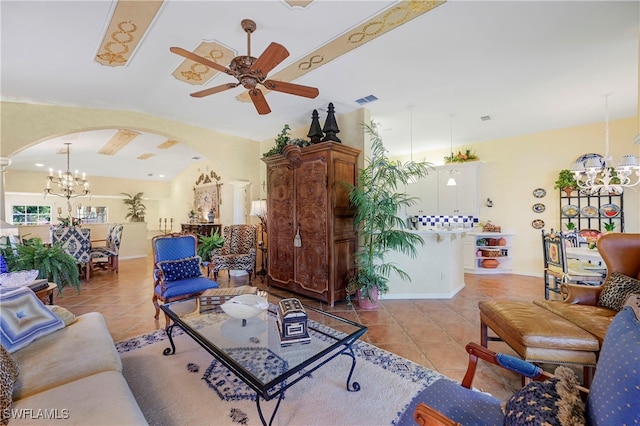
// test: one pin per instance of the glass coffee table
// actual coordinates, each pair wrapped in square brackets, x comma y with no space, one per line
[252,351]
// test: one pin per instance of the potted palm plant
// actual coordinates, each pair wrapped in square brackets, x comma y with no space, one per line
[378,204]
[136,208]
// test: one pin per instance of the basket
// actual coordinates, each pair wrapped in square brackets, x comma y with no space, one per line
[217,296]
[491,252]
[491,228]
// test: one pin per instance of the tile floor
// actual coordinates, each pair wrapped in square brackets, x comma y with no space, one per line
[430,332]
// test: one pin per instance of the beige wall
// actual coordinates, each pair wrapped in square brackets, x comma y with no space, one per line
[513,167]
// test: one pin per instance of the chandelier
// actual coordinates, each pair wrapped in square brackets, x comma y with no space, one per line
[69,185]
[598,174]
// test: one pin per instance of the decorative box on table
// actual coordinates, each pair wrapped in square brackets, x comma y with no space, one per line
[292,322]
[214,297]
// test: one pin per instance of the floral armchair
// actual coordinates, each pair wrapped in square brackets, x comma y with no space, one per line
[110,250]
[238,252]
[77,242]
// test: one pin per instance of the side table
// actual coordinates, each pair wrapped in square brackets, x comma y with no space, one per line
[46,294]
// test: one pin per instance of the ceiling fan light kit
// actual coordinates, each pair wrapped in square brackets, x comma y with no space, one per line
[251,72]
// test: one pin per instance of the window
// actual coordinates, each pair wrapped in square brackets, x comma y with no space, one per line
[31,215]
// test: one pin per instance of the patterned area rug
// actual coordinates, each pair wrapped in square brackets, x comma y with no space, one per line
[191,388]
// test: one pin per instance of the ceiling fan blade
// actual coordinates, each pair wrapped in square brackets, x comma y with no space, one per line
[270,58]
[199,59]
[292,89]
[212,90]
[259,101]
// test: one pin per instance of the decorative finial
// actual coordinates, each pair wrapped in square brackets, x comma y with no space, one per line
[330,128]
[315,131]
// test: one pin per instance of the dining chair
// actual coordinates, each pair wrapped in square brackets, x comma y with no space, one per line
[238,252]
[177,271]
[107,256]
[557,268]
[77,242]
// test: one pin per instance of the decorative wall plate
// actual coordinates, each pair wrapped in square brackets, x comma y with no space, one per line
[538,224]
[589,211]
[539,192]
[570,210]
[538,207]
[609,210]
[586,157]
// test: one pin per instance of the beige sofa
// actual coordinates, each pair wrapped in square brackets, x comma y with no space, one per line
[73,377]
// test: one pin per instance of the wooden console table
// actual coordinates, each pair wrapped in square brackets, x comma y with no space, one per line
[203,228]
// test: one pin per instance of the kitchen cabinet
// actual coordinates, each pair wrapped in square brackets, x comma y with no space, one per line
[436,198]
[312,239]
[426,192]
[488,253]
[461,199]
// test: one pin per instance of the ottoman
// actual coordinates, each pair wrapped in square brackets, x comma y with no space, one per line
[538,335]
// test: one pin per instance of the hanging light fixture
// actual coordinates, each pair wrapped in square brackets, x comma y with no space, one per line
[598,175]
[451,181]
[69,184]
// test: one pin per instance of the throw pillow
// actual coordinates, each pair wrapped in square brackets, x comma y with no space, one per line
[174,270]
[65,315]
[555,401]
[634,302]
[616,289]
[8,375]
[24,318]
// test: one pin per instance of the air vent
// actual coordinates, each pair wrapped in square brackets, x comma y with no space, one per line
[485,118]
[366,100]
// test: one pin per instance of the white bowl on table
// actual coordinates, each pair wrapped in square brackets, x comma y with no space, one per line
[245,306]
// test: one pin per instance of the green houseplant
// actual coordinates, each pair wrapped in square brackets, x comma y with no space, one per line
[53,262]
[566,181]
[377,203]
[206,244]
[136,208]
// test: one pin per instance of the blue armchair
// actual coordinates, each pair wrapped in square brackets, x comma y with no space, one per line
[176,270]
[613,399]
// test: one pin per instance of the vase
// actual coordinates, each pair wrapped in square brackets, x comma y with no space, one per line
[366,302]
[210,217]
[490,263]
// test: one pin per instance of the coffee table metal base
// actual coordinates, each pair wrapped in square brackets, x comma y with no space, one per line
[347,350]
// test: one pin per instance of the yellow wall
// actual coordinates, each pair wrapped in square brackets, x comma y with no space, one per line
[513,167]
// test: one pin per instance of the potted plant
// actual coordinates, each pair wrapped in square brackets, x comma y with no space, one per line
[571,226]
[136,208]
[53,262]
[610,226]
[566,181]
[206,244]
[377,203]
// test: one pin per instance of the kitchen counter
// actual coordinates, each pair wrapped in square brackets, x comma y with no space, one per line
[437,272]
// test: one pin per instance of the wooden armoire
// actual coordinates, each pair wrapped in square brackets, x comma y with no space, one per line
[306,196]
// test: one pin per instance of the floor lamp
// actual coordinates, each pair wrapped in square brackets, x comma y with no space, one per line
[259,209]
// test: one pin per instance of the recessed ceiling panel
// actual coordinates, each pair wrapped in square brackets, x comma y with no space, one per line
[127,27]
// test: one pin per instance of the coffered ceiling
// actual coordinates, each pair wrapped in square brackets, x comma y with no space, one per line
[528,66]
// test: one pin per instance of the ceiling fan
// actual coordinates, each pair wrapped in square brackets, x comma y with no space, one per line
[250,72]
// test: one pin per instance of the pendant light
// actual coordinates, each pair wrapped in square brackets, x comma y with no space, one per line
[451,181]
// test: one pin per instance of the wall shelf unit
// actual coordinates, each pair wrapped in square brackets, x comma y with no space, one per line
[591,211]
[483,249]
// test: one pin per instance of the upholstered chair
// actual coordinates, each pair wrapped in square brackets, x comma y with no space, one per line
[176,271]
[238,252]
[107,256]
[611,400]
[77,242]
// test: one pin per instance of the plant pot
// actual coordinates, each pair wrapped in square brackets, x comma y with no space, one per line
[490,263]
[568,190]
[365,302]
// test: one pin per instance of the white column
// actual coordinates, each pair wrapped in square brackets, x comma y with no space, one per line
[5,228]
[240,203]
